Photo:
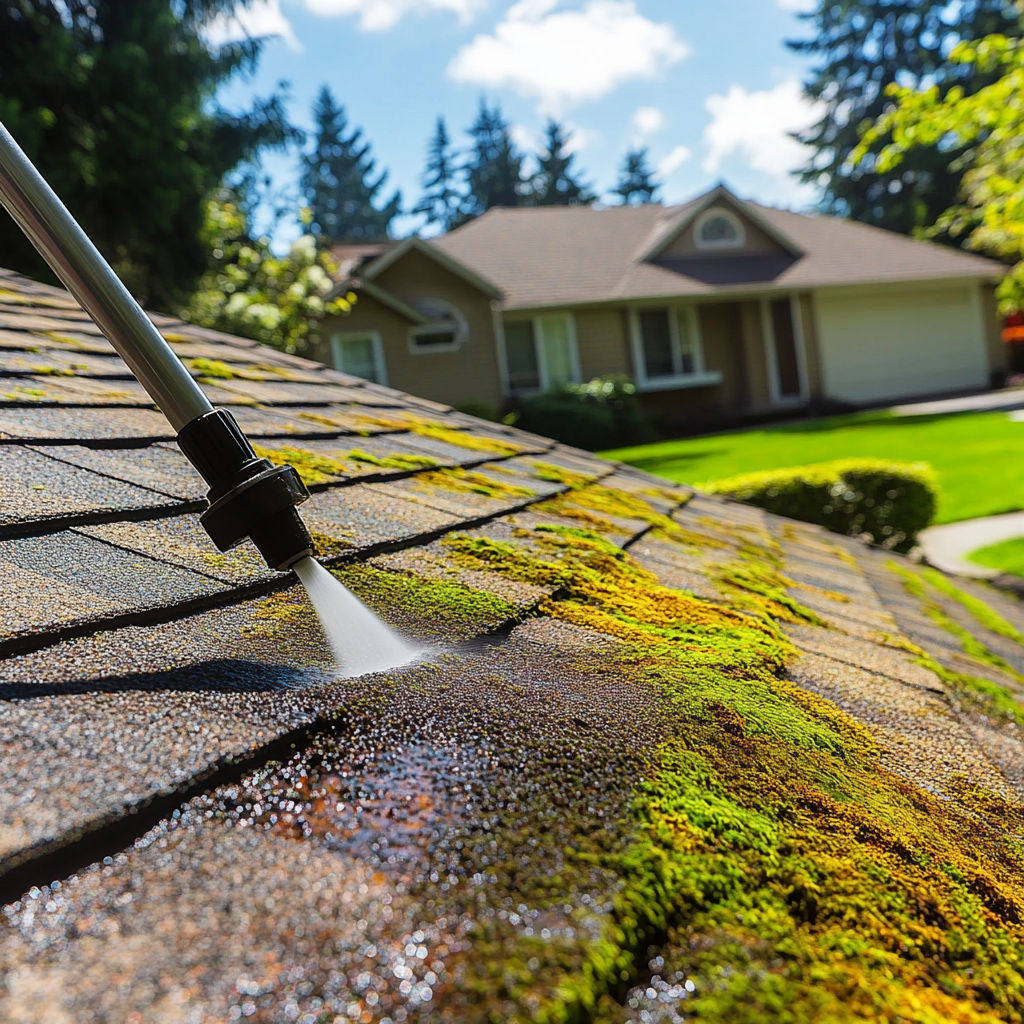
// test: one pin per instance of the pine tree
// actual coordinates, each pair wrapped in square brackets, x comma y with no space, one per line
[636,180]
[441,200]
[863,46]
[556,183]
[113,102]
[342,194]
[494,174]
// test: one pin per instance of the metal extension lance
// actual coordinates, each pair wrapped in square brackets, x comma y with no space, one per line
[249,496]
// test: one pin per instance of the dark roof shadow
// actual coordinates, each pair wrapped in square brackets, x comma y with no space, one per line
[747,268]
[218,676]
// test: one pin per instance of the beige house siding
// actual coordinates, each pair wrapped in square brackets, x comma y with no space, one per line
[752,325]
[469,374]
[603,339]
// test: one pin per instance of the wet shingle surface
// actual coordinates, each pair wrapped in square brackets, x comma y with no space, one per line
[659,757]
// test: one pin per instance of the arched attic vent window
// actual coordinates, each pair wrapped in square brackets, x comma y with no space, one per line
[446,331]
[718,228]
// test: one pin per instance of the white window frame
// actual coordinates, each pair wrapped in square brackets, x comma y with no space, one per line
[538,351]
[699,378]
[460,325]
[380,364]
[719,243]
[771,358]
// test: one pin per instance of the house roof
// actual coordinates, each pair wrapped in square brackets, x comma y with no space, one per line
[640,716]
[564,256]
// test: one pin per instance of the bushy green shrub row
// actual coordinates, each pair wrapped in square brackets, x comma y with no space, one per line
[890,501]
[603,413]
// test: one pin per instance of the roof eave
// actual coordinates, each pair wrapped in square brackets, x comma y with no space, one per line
[450,263]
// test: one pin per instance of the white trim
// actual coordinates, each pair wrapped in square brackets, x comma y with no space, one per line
[698,378]
[719,244]
[498,324]
[771,353]
[380,364]
[459,328]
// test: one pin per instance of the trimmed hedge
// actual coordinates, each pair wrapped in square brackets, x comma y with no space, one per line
[890,501]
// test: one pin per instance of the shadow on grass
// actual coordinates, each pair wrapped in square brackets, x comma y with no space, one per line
[217,676]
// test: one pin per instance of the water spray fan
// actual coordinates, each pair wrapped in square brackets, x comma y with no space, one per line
[249,497]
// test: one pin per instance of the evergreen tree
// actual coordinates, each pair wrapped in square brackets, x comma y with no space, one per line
[863,47]
[441,200]
[339,183]
[556,183]
[113,100]
[494,174]
[636,180]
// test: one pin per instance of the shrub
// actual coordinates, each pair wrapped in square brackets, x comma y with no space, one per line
[890,501]
[603,413]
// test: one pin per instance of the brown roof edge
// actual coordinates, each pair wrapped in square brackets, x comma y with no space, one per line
[450,263]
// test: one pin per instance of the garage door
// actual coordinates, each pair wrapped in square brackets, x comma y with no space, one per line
[877,347]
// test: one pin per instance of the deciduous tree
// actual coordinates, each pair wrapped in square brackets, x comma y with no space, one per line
[247,290]
[987,129]
[862,48]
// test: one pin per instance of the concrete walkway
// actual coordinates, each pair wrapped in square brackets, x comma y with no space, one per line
[946,547]
[1010,398]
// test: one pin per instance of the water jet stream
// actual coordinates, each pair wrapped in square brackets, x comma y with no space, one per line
[360,641]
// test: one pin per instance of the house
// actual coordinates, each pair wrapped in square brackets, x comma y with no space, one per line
[660,753]
[719,308]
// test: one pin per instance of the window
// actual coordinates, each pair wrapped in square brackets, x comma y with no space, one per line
[446,331]
[540,354]
[718,228]
[521,356]
[667,350]
[361,354]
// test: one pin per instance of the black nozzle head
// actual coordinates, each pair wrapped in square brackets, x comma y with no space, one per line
[249,497]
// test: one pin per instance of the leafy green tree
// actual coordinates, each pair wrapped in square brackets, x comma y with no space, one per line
[114,101]
[636,180]
[556,183]
[340,181]
[494,173]
[987,129]
[863,47]
[442,199]
[249,291]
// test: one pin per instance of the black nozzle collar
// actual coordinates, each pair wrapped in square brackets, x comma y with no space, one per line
[249,497]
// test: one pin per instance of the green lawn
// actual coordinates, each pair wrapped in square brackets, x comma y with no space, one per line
[1007,556]
[978,457]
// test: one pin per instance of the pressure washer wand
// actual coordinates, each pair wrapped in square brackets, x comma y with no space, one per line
[249,496]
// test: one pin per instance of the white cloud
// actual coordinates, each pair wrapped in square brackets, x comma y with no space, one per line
[648,121]
[263,18]
[378,15]
[565,57]
[673,161]
[755,126]
[799,6]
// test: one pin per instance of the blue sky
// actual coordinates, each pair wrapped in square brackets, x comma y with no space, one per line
[708,85]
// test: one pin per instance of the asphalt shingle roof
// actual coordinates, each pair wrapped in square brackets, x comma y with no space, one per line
[563,256]
[642,720]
